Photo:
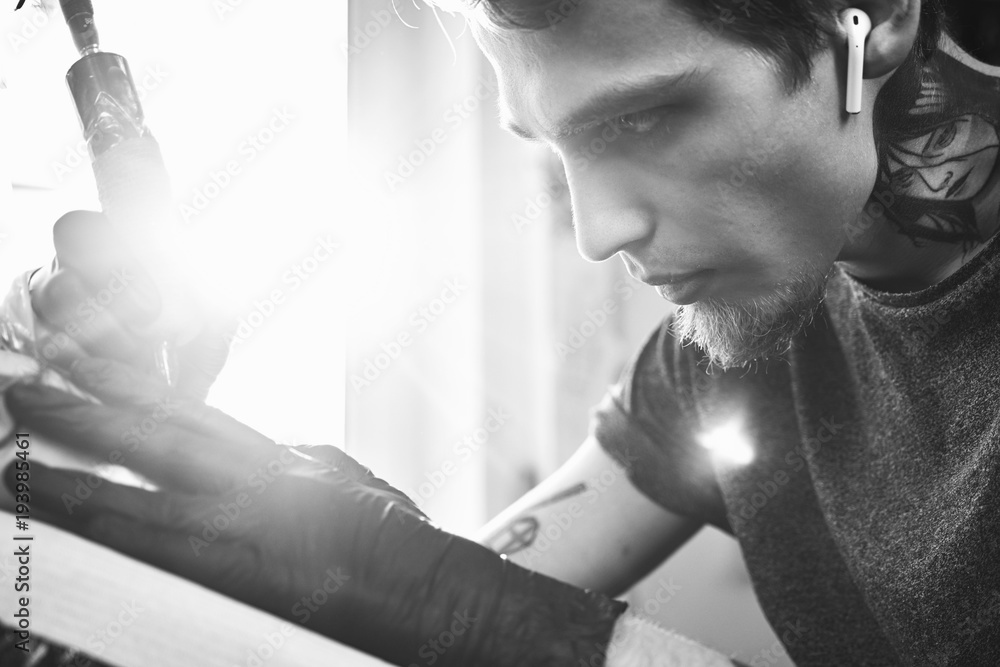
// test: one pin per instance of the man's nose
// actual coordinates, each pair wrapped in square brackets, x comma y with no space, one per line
[608,216]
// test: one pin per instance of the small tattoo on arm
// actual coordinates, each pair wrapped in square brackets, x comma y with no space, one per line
[562,495]
[522,532]
[518,535]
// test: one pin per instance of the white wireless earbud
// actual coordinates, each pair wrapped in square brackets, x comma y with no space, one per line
[858,25]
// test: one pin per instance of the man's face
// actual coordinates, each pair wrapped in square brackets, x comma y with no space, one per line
[684,153]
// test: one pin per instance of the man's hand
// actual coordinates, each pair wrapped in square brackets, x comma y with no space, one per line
[101,302]
[313,538]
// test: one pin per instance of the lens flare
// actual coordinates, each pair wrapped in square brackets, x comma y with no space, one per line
[728,443]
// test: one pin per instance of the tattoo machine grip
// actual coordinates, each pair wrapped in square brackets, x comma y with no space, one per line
[80,19]
[132,181]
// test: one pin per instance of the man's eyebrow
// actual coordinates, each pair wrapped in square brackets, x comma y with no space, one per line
[627,97]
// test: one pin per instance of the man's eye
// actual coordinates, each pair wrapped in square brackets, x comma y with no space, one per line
[639,122]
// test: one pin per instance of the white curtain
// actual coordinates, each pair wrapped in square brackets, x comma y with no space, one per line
[448,396]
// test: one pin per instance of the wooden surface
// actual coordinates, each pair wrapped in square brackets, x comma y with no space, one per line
[124,612]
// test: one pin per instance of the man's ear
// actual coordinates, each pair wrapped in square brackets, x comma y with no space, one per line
[895,24]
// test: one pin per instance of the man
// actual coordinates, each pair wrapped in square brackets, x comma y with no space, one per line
[865,518]
[838,277]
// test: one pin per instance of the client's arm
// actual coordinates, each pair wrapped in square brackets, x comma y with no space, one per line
[588,525]
[291,520]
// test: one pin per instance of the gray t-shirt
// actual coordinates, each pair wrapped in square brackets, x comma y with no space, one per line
[869,517]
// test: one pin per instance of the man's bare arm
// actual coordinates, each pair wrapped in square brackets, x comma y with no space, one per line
[587,525]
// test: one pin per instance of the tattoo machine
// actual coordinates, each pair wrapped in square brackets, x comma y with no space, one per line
[132,181]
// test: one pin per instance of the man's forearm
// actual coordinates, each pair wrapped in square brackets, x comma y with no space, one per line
[639,642]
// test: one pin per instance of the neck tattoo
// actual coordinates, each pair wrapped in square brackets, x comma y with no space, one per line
[939,166]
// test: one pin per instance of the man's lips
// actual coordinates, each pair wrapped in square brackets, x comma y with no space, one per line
[682,289]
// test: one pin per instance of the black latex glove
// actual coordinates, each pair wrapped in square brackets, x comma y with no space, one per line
[99,296]
[322,543]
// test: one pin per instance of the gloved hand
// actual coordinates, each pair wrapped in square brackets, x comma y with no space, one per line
[320,542]
[104,302]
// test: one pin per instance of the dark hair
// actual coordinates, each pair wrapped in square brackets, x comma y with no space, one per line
[788,31]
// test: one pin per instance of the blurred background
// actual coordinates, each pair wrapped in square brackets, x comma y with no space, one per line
[403,272]
[451,200]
